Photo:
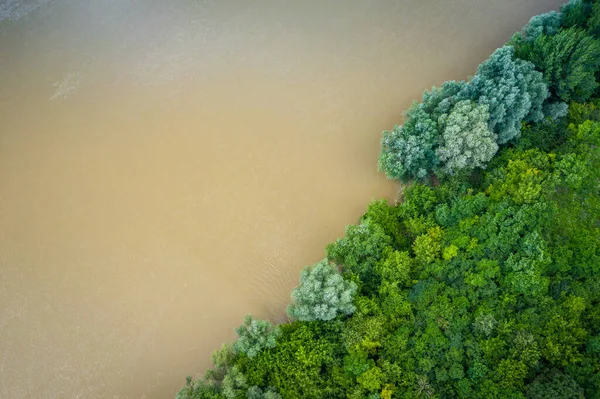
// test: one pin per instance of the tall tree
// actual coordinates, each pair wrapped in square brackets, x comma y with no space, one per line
[543,24]
[512,89]
[255,335]
[569,61]
[467,142]
[323,294]
[575,13]
[409,151]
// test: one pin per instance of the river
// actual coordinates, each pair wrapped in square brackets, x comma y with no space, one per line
[168,166]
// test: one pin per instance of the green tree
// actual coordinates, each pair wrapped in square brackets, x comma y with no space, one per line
[388,218]
[427,247]
[360,249]
[371,379]
[543,24]
[299,366]
[395,268]
[512,89]
[322,294]
[408,151]
[467,141]
[255,335]
[234,384]
[556,110]
[593,23]
[568,61]
[256,393]
[554,384]
[575,13]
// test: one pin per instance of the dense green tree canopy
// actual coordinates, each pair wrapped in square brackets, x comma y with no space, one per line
[575,13]
[568,60]
[493,291]
[512,92]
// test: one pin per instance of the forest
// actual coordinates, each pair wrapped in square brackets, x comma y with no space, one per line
[483,280]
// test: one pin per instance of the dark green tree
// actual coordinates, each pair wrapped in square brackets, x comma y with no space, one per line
[467,142]
[543,24]
[575,13]
[554,384]
[569,61]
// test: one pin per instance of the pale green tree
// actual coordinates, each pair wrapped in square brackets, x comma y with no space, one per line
[323,294]
[467,142]
[256,393]
[255,335]
[234,384]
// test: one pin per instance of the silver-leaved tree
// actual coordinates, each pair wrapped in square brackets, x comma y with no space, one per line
[467,142]
[255,335]
[323,294]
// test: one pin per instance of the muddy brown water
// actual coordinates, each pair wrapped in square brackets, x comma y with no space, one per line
[169,166]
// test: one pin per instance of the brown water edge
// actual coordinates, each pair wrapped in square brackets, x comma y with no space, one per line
[167,167]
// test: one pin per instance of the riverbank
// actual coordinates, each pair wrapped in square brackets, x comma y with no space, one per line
[483,285]
[158,158]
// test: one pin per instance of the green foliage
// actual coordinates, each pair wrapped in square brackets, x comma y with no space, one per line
[543,24]
[210,386]
[512,89]
[234,384]
[298,367]
[427,247]
[467,141]
[575,13]
[255,335]
[256,393]
[581,112]
[322,294]
[358,252]
[395,268]
[447,130]
[593,23]
[222,359]
[371,379]
[409,151]
[555,110]
[554,385]
[388,218]
[568,60]
[357,362]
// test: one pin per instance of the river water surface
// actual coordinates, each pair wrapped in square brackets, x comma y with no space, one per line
[169,166]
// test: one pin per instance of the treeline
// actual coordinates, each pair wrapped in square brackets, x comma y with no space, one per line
[460,126]
[485,284]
